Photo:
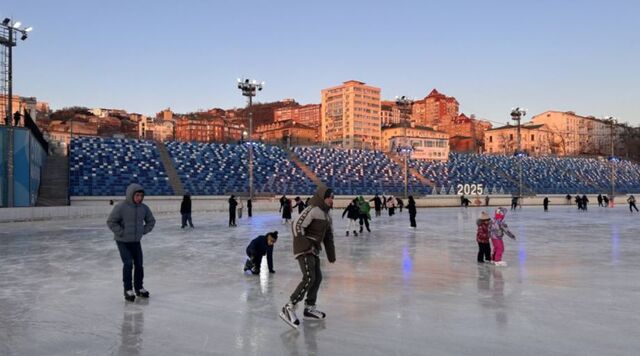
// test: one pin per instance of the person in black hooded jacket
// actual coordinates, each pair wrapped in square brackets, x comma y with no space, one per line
[185,210]
[352,213]
[260,246]
[232,210]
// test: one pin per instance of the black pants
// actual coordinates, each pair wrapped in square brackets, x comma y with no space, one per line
[232,217]
[249,211]
[311,279]
[378,212]
[632,205]
[254,262]
[412,220]
[131,255]
[484,250]
[546,207]
[364,220]
[186,217]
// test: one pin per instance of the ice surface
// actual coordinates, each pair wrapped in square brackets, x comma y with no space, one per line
[571,288]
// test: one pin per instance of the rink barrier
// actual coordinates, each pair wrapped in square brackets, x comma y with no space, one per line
[82,207]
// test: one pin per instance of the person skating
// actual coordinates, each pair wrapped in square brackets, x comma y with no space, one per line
[632,203]
[258,247]
[310,231]
[232,210]
[286,210]
[299,204]
[377,205]
[514,203]
[568,197]
[352,215]
[129,221]
[400,204]
[185,211]
[239,208]
[391,205]
[364,214]
[545,203]
[486,200]
[482,237]
[600,199]
[497,231]
[411,207]
[585,202]
[249,207]
[605,199]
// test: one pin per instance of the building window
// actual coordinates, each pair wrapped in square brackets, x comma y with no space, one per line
[490,138]
[532,138]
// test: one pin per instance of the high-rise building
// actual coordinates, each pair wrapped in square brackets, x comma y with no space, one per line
[435,110]
[308,115]
[351,115]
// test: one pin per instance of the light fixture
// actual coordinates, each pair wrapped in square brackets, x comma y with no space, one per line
[6,21]
[17,25]
[28,29]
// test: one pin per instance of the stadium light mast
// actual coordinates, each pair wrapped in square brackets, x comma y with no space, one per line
[249,89]
[516,115]
[612,159]
[403,104]
[8,31]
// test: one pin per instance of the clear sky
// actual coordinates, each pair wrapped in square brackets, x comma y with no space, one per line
[143,56]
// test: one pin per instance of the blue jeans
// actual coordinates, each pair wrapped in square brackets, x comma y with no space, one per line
[131,255]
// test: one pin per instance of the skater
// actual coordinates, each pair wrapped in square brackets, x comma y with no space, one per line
[310,231]
[391,205]
[482,237]
[352,215]
[632,203]
[129,221]
[545,203]
[514,203]
[411,206]
[599,199]
[400,204]
[185,211]
[606,201]
[585,202]
[260,246]
[299,204]
[377,205]
[466,202]
[232,210]
[486,201]
[384,202]
[249,207]
[462,199]
[239,208]
[364,214]
[578,201]
[568,197]
[497,231]
[286,208]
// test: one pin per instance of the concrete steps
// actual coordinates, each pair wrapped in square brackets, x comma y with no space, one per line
[307,171]
[54,183]
[170,169]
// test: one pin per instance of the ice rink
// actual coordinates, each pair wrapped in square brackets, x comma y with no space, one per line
[571,288]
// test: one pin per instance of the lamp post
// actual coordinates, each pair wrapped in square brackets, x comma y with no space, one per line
[612,159]
[8,31]
[249,89]
[403,104]
[516,115]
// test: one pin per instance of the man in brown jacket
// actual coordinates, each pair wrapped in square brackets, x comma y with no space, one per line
[310,230]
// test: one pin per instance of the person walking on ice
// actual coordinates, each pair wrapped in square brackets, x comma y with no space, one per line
[310,230]
[497,230]
[258,247]
[129,221]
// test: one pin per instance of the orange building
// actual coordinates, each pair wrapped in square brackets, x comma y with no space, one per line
[435,110]
[390,113]
[535,139]
[308,115]
[204,127]
[287,132]
[351,115]
[467,134]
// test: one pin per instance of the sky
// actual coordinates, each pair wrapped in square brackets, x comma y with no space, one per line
[144,56]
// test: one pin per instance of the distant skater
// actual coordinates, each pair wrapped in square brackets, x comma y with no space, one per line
[411,207]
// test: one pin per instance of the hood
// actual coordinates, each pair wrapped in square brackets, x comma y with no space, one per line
[318,198]
[132,189]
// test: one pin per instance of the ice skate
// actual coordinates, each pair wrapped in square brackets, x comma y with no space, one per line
[288,315]
[311,313]
[129,295]
[355,233]
[347,233]
[501,263]
[143,293]
[247,265]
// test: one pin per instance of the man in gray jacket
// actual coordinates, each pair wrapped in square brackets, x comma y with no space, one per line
[129,220]
[310,230]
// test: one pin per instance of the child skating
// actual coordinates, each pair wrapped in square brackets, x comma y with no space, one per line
[482,237]
[497,230]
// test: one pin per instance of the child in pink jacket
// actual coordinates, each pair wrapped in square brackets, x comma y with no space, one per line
[497,230]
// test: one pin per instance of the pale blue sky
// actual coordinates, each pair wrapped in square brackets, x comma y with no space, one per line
[143,56]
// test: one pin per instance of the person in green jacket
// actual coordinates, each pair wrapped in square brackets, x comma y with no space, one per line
[129,221]
[364,215]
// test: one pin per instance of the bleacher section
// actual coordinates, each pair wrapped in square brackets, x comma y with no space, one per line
[106,166]
[354,171]
[220,169]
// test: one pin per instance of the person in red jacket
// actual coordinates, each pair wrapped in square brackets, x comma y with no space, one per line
[482,237]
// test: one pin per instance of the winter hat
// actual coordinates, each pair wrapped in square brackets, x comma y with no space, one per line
[328,193]
[274,235]
[484,216]
[500,213]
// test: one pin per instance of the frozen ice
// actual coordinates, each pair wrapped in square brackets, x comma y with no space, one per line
[571,288]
